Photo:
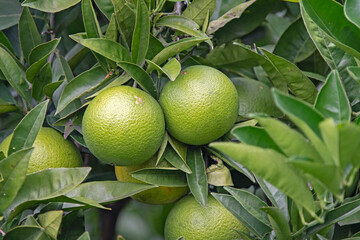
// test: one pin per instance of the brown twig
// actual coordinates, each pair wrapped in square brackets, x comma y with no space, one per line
[178,7]
[52,33]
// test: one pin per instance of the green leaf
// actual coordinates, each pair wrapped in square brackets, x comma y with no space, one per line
[273,168]
[59,181]
[295,44]
[230,15]
[14,75]
[175,48]
[332,101]
[251,203]
[73,225]
[179,147]
[174,159]
[26,131]
[171,69]
[106,7]
[140,76]
[9,15]
[112,32]
[28,33]
[105,192]
[107,48]
[255,136]
[348,144]
[5,41]
[290,141]
[351,9]
[298,83]
[50,88]
[50,6]
[141,35]
[51,221]
[322,15]
[81,85]
[65,68]
[38,56]
[161,176]
[84,236]
[198,9]
[44,78]
[257,227]
[27,233]
[156,47]
[13,172]
[197,180]
[125,18]
[159,155]
[278,222]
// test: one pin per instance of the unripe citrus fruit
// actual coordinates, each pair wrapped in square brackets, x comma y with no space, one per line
[51,150]
[200,106]
[158,195]
[190,220]
[123,126]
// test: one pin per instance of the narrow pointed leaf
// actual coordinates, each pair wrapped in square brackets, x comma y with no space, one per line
[50,6]
[272,167]
[26,131]
[44,78]
[179,147]
[5,41]
[161,150]
[13,173]
[28,33]
[125,18]
[332,101]
[141,35]
[172,157]
[170,177]
[171,71]
[278,222]
[51,221]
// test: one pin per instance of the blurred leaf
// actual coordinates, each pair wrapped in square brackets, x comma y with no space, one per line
[125,18]
[170,177]
[107,48]
[12,174]
[198,9]
[351,8]
[27,233]
[322,15]
[295,44]
[84,236]
[233,13]
[6,106]
[257,227]
[251,203]
[28,33]
[332,101]
[9,15]
[197,180]
[14,75]
[27,130]
[348,144]
[81,85]
[44,78]
[5,41]
[106,7]
[175,48]
[278,222]
[140,76]
[290,141]
[38,56]
[298,83]
[141,35]
[50,6]
[51,221]
[59,181]
[174,159]
[273,168]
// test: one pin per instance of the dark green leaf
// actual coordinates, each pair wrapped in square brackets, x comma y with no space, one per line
[332,101]
[26,131]
[73,225]
[50,6]
[112,32]
[28,33]
[5,41]
[79,86]
[141,35]
[106,7]
[273,168]
[174,159]
[12,174]
[27,233]
[64,68]
[9,15]
[235,208]
[44,78]
[295,44]
[171,71]
[197,180]
[278,222]
[348,144]
[38,56]
[198,9]
[170,177]
[125,18]
[51,221]
[156,47]
[50,88]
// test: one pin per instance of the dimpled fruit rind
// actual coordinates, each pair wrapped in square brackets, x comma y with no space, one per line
[123,126]
[190,220]
[200,106]
[51,150]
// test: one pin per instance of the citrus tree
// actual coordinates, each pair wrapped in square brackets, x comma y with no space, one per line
[243,113]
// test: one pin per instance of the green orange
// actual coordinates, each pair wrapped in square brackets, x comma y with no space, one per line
[51,150]
[123,126]
[200,106]
[158,195]
[190,220]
